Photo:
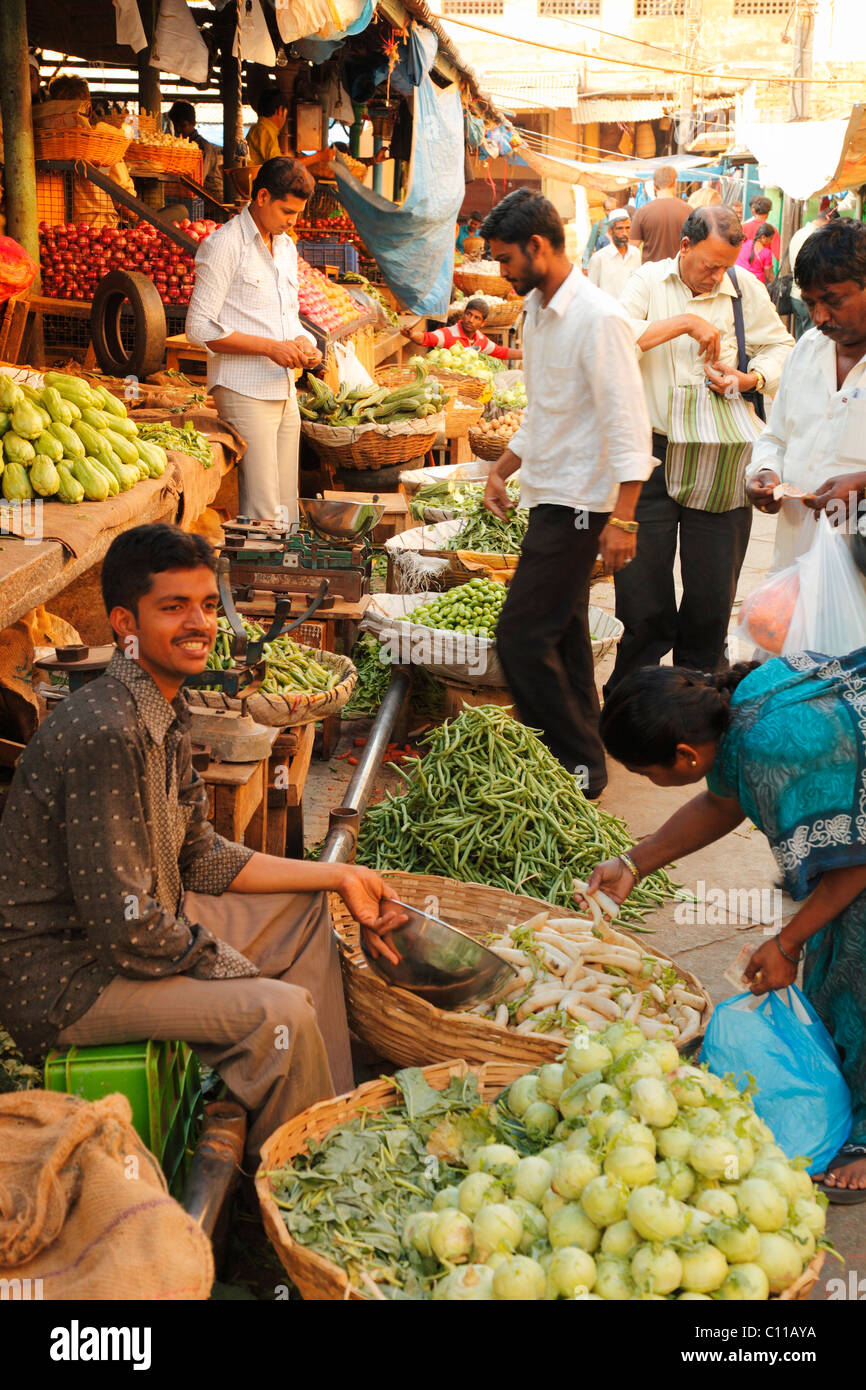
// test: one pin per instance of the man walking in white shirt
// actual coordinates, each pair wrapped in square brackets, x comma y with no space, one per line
[816,436]
[244,309]
[611,268]
[583,452]
[693,323]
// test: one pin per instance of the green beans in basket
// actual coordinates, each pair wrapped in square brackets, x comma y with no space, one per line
[488,803]
[289,667]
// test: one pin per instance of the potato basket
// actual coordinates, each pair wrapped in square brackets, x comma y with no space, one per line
[409,1030]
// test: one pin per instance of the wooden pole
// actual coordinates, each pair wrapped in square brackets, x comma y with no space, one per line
[149,94]
[22,218]
[230,91]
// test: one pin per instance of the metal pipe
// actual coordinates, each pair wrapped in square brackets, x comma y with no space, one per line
[215,1168]
[339,845]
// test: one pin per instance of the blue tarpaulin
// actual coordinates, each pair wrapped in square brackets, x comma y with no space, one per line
[414,242]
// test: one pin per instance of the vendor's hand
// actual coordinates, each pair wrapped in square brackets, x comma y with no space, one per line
[612,877]
[496,498]
[759,491]
[367,897]
[287,354]
[705,335]
[414,334]
[841,494]
[312,355]
[617,547]
[722,378]
[768,969]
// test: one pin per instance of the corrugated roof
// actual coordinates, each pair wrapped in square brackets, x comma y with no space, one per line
[588,110]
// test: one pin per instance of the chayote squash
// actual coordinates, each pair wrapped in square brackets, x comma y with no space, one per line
[49,445]
[28,421]
[44,477]
[16,449]
[15,483]
[70,489]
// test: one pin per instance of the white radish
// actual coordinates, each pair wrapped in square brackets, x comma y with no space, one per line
[510,954]
[539,1000]
[575,973]
[586,1015]
[685,996]
[652,1027]
[608,1008]
[691,1023]
[501,1018]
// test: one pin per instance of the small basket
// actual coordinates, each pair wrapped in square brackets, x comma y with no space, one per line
[469,388]
[285,711]
[487,445]
[460,416]
[503,315]
[472,283]
[409,1030]
[102,147]
[315,1277]
[374,449]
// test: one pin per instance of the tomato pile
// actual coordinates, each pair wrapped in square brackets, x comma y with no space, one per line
[325,304]
[339,226]
[75,257]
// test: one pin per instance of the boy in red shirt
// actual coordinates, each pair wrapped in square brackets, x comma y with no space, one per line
[467,333]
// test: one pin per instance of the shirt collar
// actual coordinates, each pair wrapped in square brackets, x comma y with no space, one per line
[251,233]
[559,303]
[154,710]
[724,286]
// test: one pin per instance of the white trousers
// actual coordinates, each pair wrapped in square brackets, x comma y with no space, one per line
[268,477]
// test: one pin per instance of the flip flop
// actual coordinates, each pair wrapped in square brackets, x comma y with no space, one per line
[844,1196]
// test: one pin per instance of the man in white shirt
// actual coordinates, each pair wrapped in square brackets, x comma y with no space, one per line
[611,267]
[583,452]
[816,436]
[684,314]
[802,322]
[244,309]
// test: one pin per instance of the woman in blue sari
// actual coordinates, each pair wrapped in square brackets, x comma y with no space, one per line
[784,745]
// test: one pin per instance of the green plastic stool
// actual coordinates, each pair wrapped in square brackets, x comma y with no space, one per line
[159,1079]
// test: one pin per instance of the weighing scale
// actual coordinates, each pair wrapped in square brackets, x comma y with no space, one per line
[332,543]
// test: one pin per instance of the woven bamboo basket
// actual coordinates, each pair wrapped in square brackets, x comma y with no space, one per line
[411,1031]
[470,282]
[320,1280]
[285,711]
[469,388]
[374,448]
[102,146]
[487,445]
[315,1277]
[504,315]
[460,416]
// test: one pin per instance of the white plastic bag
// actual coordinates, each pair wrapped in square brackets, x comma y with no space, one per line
[350,370]
[178,47]
[252,36]
[830,613]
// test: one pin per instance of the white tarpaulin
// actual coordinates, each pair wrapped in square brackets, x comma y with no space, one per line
[609,175]
[800,157]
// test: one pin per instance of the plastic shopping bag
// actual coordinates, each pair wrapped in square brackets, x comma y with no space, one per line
[830,613]
[780,1040]
[765,616]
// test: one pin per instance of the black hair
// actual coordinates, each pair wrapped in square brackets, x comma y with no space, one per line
[479,304]
[716,220]
[283,177]
[521,215]
[760,205]
[135,556]
[67,87]
[653,710]
[181,111]
[766,229]
[832,253]
[270,102]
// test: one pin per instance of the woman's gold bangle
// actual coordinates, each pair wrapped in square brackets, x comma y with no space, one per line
[632,868]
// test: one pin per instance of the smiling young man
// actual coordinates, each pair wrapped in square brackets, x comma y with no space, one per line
[815,439]
[467,332]
[244,310]
[123,915]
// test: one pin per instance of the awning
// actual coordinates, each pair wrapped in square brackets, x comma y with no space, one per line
[517,91]
[805,158]
[602,109]
[609,175]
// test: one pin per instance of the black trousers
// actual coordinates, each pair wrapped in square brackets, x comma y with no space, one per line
[543,637]
[712,550]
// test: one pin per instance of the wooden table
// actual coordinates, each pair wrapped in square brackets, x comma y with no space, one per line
[287,775]
[238,799]
[183,356]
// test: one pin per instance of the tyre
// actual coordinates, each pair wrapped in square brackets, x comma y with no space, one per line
[148,315]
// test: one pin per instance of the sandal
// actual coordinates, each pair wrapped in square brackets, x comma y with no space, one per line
[848,1196]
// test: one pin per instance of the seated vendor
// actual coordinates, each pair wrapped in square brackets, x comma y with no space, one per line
[68,107]
[465,333]
[123,915]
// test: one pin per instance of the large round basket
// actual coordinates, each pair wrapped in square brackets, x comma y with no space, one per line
[469,388]
[102,146]
[285,711]
[470,282]
[320,1280]
[487,445]
[409,1030]
[315,1277]
[373,448]
[504,315]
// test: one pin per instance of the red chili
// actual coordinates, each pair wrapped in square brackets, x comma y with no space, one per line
[353,762]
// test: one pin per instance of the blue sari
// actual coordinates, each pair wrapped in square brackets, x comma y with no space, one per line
[794,756]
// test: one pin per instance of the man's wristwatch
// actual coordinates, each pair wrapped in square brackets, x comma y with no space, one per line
[630,526]
[761,383]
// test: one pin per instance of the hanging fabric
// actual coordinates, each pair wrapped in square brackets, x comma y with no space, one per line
[252,41]
[178,47]
[128,26]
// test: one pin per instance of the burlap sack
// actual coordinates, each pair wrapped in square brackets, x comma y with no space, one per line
[85,1209]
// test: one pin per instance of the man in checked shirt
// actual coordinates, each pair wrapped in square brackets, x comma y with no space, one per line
[123,915]
[244,310]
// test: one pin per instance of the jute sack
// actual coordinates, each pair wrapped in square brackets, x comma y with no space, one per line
[84,1206]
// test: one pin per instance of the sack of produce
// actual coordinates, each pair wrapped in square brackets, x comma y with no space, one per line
[578,1183]
[779,1042]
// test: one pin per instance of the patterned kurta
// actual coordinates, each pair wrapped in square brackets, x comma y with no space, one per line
[105,828]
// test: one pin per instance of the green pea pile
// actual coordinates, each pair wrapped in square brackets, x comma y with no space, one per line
[472,608]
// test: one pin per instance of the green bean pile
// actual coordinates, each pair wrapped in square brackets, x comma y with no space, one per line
[427,696]
[486,534]
[289,667]
[488,803]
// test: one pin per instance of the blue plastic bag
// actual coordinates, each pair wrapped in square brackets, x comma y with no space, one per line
[802,1094]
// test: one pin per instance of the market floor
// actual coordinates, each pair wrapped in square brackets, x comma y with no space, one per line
[741,866]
